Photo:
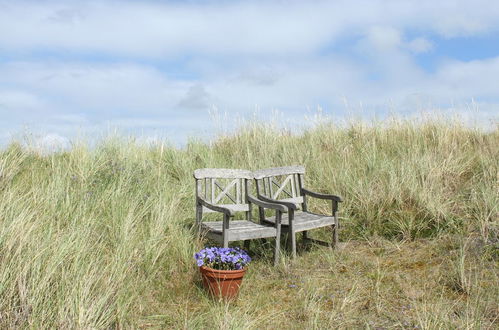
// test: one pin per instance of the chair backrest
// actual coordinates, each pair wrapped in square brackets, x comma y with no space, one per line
[223,187]
[281,183]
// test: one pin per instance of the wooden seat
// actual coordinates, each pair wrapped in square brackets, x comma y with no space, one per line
[242,229]
[226,191]
[304,221]
[284,186]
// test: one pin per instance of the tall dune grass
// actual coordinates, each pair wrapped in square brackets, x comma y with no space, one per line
[102,237]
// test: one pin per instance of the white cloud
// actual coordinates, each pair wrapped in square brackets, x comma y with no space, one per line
[476,78]
[152,29]
[93,87]
[128,96]
[383,38]
[171,29]
[239,54]
[420,45]
[196,98]
[19,100]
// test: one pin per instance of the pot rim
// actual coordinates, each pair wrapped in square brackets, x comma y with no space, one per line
[209,269]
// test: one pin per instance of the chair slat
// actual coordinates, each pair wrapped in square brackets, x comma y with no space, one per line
[304,221]
[242,230]
[205,188]
[238,192]
[296,200]
[213,183]
[265,173]
[222,173]
[232,207]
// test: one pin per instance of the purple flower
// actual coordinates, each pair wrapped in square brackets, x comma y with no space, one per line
[222,258]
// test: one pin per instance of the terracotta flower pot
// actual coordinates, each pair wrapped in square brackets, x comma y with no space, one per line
[222,283]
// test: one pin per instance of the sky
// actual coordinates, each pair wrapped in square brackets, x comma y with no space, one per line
[180,69]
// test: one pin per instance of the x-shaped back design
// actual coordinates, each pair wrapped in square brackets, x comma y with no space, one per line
[225,191]
[282,187]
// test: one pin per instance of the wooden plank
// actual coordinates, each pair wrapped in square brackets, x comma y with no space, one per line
[198,187]
[304,221]
[213,182]
[241,230]
[232,207]
[269,182]
[238,192]
[266,205]
[199,209]
[245,190]
[300,187]
[293,185]
[286,170]
[257,186]
[240,236]
[301,182]
[205,189]
[222,173]
[321,195]
[244,196]
[289,203]
[234,225]
[212,207]
[295,200]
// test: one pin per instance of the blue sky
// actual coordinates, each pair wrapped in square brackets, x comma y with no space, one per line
[163,68]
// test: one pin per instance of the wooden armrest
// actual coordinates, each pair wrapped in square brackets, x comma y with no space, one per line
[220,209]
[321,196]
[275,201]
[266,205]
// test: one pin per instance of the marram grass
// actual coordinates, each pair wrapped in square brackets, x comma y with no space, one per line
[102,237]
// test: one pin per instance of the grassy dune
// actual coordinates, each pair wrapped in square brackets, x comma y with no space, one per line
[103,237]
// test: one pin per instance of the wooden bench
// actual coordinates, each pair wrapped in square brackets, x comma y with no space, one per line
[284,186]
[226,191]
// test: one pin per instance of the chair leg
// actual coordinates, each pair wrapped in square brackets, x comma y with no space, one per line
[336,225]
[225,234]
[199,216]
[292,243]
[335,237]
[277,237]
[292,233]
[277,249]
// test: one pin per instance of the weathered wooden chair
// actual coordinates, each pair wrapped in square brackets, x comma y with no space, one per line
[284,185]
[227,191]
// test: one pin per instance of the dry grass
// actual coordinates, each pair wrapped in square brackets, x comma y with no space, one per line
[102,238]
[376,284]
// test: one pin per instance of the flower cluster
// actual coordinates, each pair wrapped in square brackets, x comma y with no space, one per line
[222,258]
